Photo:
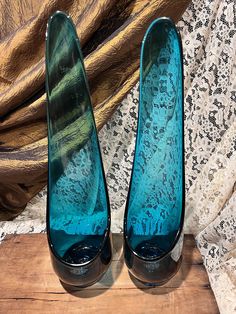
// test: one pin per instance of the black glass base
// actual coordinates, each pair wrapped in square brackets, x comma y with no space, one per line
[154,272]
[87,269]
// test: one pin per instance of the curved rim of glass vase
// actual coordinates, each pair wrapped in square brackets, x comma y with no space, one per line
[107,232]
[179,232]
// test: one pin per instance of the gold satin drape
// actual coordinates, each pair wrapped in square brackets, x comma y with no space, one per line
[110,32]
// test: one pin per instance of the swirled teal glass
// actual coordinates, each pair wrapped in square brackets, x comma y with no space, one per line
[155,205]
[78,214]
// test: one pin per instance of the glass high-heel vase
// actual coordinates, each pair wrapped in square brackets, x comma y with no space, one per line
[78,213]
[154,212]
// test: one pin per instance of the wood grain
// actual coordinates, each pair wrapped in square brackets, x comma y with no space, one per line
[29,285]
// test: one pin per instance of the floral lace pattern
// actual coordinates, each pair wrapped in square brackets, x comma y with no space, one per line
[209,39]
[208,29]
[155,202]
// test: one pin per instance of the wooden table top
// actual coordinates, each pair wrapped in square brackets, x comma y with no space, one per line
[28,284]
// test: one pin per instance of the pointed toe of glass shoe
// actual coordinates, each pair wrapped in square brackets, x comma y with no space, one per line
[78,213]
[154,212]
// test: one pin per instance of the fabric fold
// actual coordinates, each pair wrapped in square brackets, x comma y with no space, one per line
[110,33]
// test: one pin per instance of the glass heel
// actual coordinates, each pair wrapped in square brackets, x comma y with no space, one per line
[78,213]
[154,212]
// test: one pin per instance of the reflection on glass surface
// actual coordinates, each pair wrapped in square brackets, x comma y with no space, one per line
[153,218]
[78,212]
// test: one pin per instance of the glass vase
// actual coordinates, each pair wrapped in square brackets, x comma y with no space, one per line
[154,212]
[78,213]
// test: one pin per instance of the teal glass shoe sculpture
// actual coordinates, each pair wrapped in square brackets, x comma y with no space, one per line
[78,213]
[154,212]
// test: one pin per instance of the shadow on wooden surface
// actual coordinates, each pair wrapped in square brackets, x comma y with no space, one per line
[29,285]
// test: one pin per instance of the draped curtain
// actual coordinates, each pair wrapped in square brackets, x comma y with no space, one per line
[110,32]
